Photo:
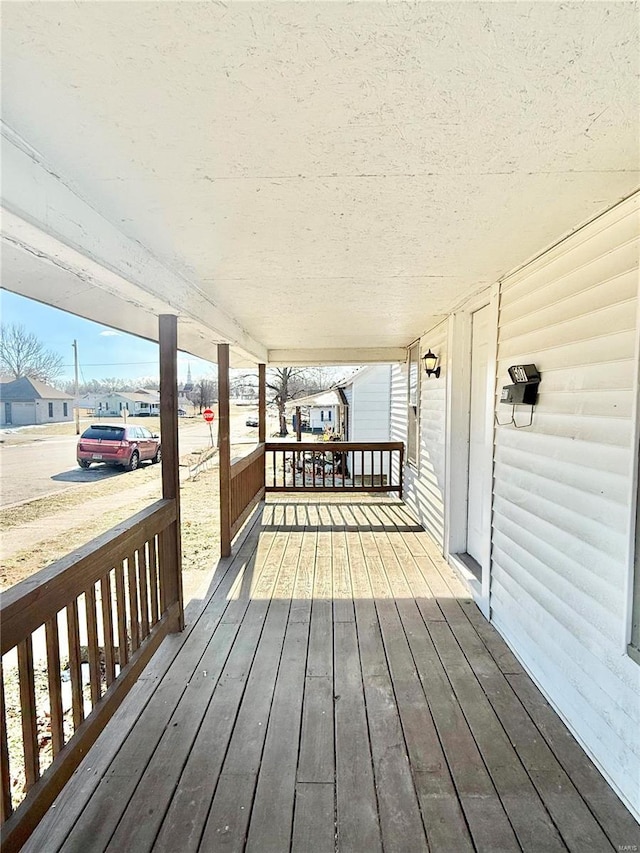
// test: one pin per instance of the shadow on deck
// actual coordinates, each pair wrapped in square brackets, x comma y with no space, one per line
[337,690]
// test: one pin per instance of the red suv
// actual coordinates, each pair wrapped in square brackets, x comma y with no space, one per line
[117,445]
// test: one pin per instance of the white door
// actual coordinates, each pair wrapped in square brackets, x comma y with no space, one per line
[478,504]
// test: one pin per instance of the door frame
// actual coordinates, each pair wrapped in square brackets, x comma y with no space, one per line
[457,440]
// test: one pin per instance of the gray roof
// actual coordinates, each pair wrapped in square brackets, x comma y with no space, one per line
[24,390]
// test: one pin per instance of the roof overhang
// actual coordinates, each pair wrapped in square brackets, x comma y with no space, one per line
[325,182]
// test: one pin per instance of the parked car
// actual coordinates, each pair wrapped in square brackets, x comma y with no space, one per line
[251,422]
[127,446]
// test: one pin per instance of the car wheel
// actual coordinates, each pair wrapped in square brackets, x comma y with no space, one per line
[84,463]
[158,456]
[134,461]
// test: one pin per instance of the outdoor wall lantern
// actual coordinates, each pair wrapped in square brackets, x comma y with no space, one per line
[430,360]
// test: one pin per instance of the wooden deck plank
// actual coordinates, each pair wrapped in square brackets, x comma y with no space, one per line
[400,817]
[527,814]
[342,594]
[579,828]
[272,812]
[242,761]
[184,820]
[156,786]
[615,820]
[357,809]
[314,827]
[445,825]
[529,818]
[316,762]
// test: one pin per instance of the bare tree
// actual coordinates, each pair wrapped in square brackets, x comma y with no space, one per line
[287,383]
[22,354]
[204,393]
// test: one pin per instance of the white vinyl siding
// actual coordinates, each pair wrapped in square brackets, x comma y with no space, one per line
[561,520]
[424,485]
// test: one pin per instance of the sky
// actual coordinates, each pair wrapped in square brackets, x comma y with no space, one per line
[102,352]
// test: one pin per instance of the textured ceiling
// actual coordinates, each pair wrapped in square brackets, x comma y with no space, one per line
[330,174]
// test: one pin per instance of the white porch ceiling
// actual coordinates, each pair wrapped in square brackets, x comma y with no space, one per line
[315,176]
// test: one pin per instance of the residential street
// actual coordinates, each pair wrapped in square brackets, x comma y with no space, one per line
[43,465]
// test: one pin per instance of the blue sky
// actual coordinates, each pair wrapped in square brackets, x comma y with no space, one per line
[102,352]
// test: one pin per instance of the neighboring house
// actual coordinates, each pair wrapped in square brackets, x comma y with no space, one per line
[540,519]
[137,403]
[28,401]
[358,410]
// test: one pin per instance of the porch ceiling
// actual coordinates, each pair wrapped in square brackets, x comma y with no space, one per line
[318,176]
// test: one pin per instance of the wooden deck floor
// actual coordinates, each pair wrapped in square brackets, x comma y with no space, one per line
[339,691]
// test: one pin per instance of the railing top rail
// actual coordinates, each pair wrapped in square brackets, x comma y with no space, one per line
[35,600]
[239,465]
[334,445]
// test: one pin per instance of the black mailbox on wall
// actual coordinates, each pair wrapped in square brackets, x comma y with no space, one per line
[524,391]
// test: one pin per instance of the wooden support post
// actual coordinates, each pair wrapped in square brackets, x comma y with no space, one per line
[298,425]
[224,443]
[262,403]
[170,544]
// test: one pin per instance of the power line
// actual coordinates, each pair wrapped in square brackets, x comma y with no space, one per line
[116,364]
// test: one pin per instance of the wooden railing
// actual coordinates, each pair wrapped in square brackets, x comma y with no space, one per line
[247,486]
[91,620]
[334,466]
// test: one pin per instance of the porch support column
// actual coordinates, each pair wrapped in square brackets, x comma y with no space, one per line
[298,425]
[170,544]
[262,403]
[224,453]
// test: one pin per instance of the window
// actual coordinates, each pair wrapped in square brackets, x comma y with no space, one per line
[50,410]
[105,433]
[65,409]
[321,414]
[413,403]
[329,415]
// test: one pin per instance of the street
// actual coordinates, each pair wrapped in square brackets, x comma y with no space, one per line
[42,465]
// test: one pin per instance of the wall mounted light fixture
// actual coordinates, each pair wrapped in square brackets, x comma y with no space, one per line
[430,360]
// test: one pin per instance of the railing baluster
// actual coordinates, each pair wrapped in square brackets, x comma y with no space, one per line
[107,627]
[153,579]
[95,679]
[6,806]
[55,689]
[144,595]
[29,712]
[75,668]
[133,601]
[123,647]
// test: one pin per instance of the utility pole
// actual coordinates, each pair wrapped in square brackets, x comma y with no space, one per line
[76,407]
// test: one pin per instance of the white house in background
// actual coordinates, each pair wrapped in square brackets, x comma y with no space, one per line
[323,411]
[358,410]
[28,401]
[137,403]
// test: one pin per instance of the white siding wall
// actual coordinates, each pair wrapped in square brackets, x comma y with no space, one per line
[369,407]
[42,411]
[562,487]
[370,402]
[424,486]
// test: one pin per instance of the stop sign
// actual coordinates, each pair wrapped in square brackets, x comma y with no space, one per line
[208,415]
